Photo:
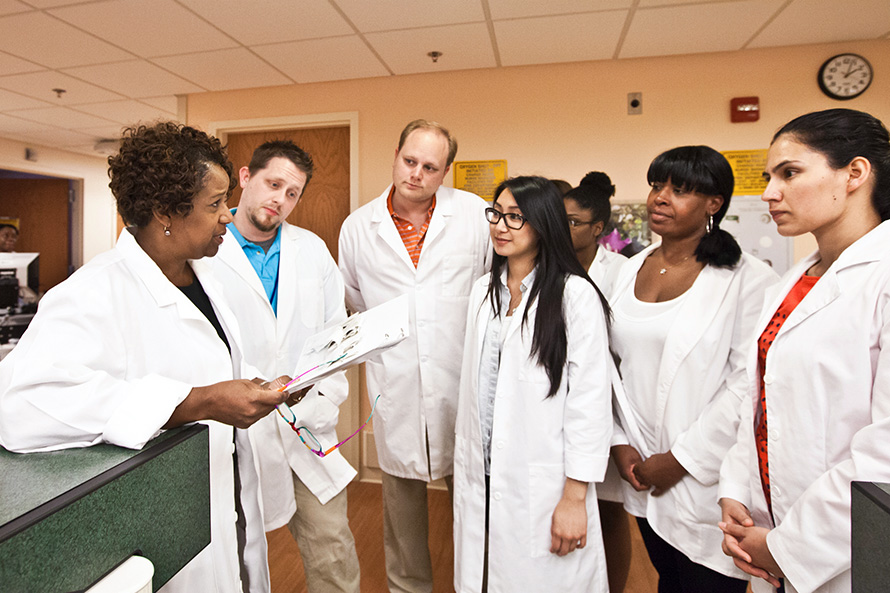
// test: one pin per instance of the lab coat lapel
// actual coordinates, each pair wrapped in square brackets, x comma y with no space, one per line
[232,254]
[696,314]
[387,231]
[441,216]
[161,289]
[288,269]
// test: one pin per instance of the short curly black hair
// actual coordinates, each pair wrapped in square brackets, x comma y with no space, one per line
[161,167]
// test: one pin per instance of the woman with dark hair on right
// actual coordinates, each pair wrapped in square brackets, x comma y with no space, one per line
[684,312]
[818,409]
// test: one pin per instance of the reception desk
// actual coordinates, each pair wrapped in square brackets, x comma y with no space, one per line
[69,517]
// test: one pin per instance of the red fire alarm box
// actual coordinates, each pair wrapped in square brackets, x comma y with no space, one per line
[743,109]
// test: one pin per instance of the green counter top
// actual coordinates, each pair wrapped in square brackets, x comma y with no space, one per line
[69,517]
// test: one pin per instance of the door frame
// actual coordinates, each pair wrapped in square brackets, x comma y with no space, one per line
[350,410]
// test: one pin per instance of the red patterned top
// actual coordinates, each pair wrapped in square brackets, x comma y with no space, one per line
[412,237]
[794,297]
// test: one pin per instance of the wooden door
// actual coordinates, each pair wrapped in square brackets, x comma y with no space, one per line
[324,204]
[41,205]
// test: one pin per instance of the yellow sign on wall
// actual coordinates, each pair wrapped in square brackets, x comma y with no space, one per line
[748,167]
[479,177]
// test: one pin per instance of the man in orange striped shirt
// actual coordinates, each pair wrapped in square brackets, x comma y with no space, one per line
[430,242]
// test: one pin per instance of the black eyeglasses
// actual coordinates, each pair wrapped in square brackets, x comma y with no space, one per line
[513,221]
[576,223]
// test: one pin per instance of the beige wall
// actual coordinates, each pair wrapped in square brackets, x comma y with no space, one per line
[564,120]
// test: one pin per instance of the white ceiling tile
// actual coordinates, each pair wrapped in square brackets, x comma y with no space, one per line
[124,112]
[512,9]
[9,101]
[462,47]
[805,22]
[62,117]
[13,6]
[57,137]
[546,40]
[408,14]
[134,79]
[272,21]
[224,69]
[15,125]
[689,29]
[112,132]
[54,44]
[13,65]
[40,84]
[334,58]
[148,28]
[168,103]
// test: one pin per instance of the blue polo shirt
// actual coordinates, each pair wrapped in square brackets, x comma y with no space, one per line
[265,263]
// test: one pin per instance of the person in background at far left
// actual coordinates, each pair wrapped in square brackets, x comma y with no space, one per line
[9,236]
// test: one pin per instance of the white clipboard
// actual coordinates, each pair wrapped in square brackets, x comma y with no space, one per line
[358,338]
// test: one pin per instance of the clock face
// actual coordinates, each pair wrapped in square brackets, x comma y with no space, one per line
[845,76]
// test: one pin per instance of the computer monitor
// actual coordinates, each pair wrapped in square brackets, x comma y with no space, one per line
[26,266]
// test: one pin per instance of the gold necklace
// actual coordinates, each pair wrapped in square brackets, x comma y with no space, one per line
[664,270]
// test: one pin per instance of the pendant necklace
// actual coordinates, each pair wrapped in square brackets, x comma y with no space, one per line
[664,270]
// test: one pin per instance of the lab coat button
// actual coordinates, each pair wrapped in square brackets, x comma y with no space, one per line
[496,496]
[767,378]
[232,449]
[500,444]
[775,434]
[775,492]
[424,358]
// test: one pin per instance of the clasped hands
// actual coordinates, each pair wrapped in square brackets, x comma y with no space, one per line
[659,472]
[746,544]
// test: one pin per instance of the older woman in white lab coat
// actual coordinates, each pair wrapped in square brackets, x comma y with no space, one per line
[534,417]
[139,340]
[817,414]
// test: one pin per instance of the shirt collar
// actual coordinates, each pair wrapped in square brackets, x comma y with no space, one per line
[240,238]
[392,212]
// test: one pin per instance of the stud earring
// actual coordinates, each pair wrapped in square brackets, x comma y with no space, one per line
[166,231]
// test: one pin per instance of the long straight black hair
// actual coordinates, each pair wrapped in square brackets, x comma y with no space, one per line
[541,204]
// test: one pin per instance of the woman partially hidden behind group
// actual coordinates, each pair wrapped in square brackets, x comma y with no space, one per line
[818,409]
[534,420]
[684,312]
[138,340]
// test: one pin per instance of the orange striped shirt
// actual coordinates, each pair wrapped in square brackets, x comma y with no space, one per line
[411,236]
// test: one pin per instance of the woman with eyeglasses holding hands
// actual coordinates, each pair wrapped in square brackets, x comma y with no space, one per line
[534,419]
[684,311]
[817,415]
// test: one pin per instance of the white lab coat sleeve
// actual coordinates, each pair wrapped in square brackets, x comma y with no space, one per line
[75,398]
[347,256]
[701,448]
[735,471]
[817,525]
[588,411]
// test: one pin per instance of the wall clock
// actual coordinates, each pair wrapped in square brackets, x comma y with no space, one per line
[845,76]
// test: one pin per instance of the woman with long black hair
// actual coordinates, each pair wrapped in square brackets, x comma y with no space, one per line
[817,411]
[684,312]
[534,418]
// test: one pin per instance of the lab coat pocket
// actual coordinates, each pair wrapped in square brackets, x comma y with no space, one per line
[545,486]
[311,303]
[457,275]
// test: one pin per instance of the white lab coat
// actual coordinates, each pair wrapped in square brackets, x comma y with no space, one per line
[310,298]
[536,443]
[828,411]
[418,378]
[605,268]
[701,383]
[110,354]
